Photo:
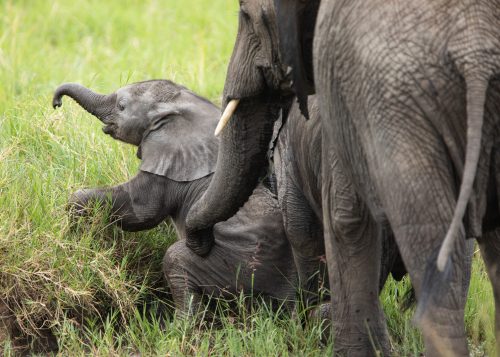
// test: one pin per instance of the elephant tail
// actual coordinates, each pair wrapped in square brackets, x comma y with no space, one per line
[476,87]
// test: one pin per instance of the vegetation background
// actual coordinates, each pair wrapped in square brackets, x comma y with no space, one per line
[96,290]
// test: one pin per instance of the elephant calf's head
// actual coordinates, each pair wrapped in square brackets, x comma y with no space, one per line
[171,125]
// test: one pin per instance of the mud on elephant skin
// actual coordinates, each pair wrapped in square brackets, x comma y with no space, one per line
[173,129]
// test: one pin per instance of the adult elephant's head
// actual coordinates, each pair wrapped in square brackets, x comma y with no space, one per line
[271,61]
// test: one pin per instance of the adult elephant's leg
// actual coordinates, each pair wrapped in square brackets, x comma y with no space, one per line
[418,194]
[441,298]
[353,248]
[490,241]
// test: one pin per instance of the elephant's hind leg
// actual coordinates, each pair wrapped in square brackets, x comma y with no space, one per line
[419,197]
[226,273]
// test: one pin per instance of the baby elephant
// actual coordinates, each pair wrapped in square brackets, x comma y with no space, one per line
[173,128]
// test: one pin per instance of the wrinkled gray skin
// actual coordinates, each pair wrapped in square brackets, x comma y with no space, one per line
[394,111]
[173,128]
[297,162]
[400,99]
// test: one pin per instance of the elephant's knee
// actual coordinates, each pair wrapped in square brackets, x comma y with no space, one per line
[178,270]
[174,259]
[180,267]
[352,223]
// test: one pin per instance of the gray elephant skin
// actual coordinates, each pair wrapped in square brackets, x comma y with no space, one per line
[297,163]
[414,103]
[172,128]
[397,98]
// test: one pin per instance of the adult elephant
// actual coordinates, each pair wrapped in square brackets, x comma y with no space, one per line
[263,87]
[402,148]
[414,101]
[257,78]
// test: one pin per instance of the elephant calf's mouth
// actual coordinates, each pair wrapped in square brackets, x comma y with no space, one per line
[109,129]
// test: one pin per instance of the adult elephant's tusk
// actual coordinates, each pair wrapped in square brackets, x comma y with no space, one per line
[228,112]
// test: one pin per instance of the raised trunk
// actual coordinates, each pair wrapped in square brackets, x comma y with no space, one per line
[96,104]
[241,161]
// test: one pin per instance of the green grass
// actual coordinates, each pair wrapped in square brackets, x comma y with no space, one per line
[93,286]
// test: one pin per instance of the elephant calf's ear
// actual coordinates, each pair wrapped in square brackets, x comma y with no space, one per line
[157,118]
[179,149]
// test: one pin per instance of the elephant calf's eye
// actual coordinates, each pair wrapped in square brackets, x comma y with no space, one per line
[121,106]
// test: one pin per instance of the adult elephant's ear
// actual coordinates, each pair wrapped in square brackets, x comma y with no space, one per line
[296,21]
[180,146]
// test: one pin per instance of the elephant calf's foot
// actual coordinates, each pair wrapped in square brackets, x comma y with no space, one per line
[80,203]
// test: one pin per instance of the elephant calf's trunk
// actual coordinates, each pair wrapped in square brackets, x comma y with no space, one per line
[57,100]
[96,104]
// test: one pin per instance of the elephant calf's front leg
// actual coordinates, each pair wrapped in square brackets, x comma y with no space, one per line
[135,205]
[305,234]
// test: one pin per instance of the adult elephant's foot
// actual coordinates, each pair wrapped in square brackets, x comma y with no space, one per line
[443,338]
[200,242]
[361,337]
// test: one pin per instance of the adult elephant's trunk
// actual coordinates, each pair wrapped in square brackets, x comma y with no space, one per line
[99,105]
[241,161]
